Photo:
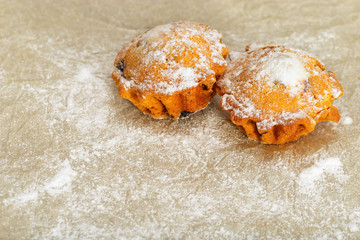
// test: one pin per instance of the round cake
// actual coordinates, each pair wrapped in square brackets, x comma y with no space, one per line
[170,70]
[276,94]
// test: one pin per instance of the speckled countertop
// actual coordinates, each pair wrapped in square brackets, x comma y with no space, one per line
[79,162]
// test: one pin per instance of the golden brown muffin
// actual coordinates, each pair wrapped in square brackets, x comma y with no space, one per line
[276,94]
[169,71]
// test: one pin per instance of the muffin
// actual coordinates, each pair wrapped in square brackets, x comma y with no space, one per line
[170,70]
[276,94]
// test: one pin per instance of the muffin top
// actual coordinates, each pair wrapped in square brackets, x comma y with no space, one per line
[171,58]
[273,84]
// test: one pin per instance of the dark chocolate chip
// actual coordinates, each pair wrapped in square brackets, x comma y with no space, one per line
[204,87]
[120,66]
[184,114]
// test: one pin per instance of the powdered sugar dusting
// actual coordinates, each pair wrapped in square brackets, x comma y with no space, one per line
[244,109]
[255,46]
[176,76]
[247,109]
[266,68]
[283,118]
[284,68]
[157,31]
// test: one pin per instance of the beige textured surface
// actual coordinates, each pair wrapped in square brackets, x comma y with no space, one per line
[79,162]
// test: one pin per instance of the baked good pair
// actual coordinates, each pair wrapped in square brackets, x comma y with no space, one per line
[274,94]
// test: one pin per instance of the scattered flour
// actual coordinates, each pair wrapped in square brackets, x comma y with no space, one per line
[61,182]
[22,198]
[353,227]
[2,75]
[309,178]
[346,120]
[85,72]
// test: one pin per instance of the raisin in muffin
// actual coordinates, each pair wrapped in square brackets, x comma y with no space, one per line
[276,94]
[169,71]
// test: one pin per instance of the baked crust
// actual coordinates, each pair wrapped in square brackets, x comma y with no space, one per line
[169,71]
[276,94]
